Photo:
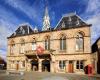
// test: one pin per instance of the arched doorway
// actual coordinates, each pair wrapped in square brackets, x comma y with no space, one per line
[34,64]
[46,65]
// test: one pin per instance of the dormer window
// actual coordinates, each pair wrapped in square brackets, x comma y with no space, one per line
[77,22]
[23,31]
[63,24]
[35,30]
[21,28]
[69,19]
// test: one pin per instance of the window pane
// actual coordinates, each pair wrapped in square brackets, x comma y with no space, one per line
[81,66]
[33,46]
[81,62]
[79,43]
[61,64]
[77,66]
[47,44]
[77,62]
[60,44]
[22,47]
[64,44]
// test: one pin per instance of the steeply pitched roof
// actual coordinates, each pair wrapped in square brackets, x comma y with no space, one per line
[70,21]
[95,46]
[23,29]
[67,22]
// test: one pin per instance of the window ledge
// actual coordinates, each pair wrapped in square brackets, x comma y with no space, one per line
[79,50]
[62,51]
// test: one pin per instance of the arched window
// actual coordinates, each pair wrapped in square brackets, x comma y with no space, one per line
[79,42]
[47,43]
[34,44]
[12,47]
[22,49]
[63,42]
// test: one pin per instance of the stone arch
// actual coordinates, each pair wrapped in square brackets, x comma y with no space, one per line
[46,65]
[79,33]
[22,40]
[62,35]
[33,39]
[34,64]
[12,42]
[47,36]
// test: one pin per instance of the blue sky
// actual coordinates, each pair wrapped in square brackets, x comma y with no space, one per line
[16,12]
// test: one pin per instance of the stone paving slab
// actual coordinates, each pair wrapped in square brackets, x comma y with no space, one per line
[46,76]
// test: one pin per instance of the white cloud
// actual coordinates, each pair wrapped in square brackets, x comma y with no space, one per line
[93,17]
[3,54]
[8,21]
[93,5]
[30,10]
[95,29]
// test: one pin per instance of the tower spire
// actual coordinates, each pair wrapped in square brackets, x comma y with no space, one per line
[46,20]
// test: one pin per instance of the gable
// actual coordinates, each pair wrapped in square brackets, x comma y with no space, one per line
[70,21]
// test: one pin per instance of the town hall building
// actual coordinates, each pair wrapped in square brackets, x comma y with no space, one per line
[65,48]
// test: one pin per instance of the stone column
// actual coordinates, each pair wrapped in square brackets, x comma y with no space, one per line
[74,66]
[52,63]
[52,67]
[40,65]
[56,66]
[66,67]
[29,65]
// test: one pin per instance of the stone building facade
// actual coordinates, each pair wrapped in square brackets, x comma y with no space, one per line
[65,48]
[96,55]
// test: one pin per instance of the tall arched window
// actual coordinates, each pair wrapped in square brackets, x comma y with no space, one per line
[22,49]
[34,44]
[12,47]
[79,42]
[47,43]
[63,42]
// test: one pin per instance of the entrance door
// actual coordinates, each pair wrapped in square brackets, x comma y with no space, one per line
[46,65]
[34,64]
[17,66]
[70,67]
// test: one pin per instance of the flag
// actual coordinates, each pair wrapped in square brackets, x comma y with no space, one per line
[39,50]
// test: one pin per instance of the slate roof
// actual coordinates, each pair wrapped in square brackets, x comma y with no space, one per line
[70,21]
[66,22]
[23,29]
[95,46]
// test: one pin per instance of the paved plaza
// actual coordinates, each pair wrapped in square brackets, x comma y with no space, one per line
[45,76]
